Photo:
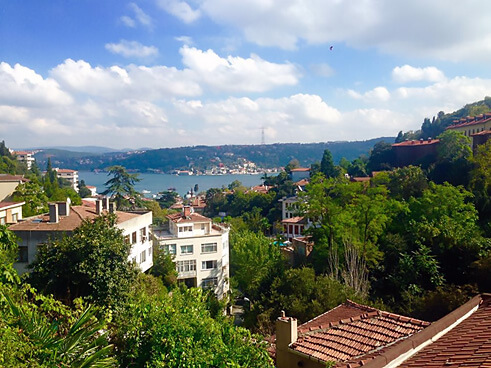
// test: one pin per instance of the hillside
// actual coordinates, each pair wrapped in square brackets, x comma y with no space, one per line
[204,157]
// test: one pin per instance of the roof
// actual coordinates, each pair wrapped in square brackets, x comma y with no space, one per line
[468,344]
[302,182]
[67,223]
[414,143]
[469,121]
[484,132]
[360,179]
[8,177]
[300,169]
[353,333]
[65,171]
[192,217]
[5,205]
[294,220]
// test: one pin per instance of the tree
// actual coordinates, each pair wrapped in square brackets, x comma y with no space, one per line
[381,157]
[83,191]
[122,187]
[32,193]
[327,165]
[406,182]
[91,263]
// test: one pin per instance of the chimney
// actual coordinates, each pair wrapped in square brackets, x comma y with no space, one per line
[53,213]
[429,139]
[105,203]
[98,207]
[286,334]
[187,211]
[64,208]
[112,207]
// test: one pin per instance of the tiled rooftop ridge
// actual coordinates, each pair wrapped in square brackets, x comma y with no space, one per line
[470,120]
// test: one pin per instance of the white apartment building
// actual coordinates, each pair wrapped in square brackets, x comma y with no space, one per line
[70,175]
[63,219]
[26,157]
[200,249]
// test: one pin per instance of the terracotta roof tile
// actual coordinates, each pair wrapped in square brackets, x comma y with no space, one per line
[414,143]
[353,332]
[294,220]
[192,217]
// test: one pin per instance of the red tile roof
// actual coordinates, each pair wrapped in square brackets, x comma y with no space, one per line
[8,177]
[416,143]
[65,171]
[66,223]
[468,344]
[469,121]
[294,220]
[192,217]
[302,182]
[11,204]
[300,169]
[352,333]
[484,132]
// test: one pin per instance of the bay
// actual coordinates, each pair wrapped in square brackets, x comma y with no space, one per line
[155,183]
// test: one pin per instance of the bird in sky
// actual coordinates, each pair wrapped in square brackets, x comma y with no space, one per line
[330,48]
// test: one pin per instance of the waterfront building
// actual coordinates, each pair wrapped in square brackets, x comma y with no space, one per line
[63,219]
[200,250]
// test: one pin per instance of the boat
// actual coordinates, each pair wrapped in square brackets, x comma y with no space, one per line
[144,191]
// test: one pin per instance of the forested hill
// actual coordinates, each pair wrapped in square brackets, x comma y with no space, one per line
[204,157]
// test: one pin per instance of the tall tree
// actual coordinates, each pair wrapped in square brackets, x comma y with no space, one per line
[122,187]
[327,165]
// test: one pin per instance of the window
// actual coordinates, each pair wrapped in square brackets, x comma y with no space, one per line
[170,249]
[208,265]
[143,234]
[143,257]
[208,247]
[186,266]
[15,217]
[2,220]
[150,251]
[211,282]
[185,228]
[202,226]
[23,254]
[133,237]
[127,239]
[186,249]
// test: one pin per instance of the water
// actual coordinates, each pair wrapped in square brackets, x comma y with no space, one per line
[161,182]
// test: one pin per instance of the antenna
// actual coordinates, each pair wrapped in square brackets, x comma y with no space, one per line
[262,136]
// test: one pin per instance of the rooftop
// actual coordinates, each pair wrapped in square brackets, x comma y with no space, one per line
[8,177]
[179,218]
[412,143]
[5,205]
[67,223]
[470,120]
[294,220]
[300,169]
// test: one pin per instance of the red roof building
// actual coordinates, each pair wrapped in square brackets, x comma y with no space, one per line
[415,152]
[349,335]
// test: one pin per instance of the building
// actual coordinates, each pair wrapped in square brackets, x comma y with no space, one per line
[26,157]
[93,190]
[349,335]
[299,174]
[352,335]
[8,184]
[415,152]
[10,212]
[293,224]
[63,219]
[472,125]
[200,249]
[70,175]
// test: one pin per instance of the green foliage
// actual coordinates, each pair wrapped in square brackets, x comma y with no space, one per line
[167,199]
[252,258]
[407,182]
[327,165]
[381,157]
[91,263]
[122,187]
[164,266]
[177,330]
[83,191]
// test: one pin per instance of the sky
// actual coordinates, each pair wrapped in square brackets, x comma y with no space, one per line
[172,73]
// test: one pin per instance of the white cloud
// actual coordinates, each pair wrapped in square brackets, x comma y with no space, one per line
[236,74]
[22,86]
[128,21]
[186,40]
[415,28]
[132,49]
[378,94]
[180,9]
[139,16]
[407,73]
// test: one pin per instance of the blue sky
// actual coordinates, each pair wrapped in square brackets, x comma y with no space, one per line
[167,73]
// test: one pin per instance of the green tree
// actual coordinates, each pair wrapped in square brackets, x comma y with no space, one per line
[327,165]
[32,193]
[122,187]
[381,157]
[91,263]
[406,182]
[83,191]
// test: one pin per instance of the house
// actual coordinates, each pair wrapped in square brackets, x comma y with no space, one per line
[26,157]
[8,184]
[480,138]
[472,125]
[299,174]
[415,152]
[69,175]
[293,224]
[62,219]
[93,190]
[10,212]
[200,249]
[352,335]
[349,335]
